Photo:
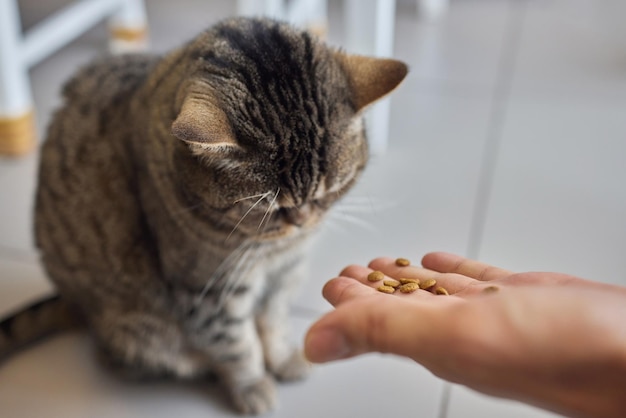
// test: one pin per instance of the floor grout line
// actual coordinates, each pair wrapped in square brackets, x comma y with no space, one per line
[499,107]
[498,113]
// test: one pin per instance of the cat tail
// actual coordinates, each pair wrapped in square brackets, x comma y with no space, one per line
[35,322]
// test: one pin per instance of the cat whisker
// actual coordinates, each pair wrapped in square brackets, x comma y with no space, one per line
[269,209]
[290,200]
[354,208]
[187,209]
[364,204]
[353,219]
[239,271]
[230,265]
[252,197]
[262,196]
[336,224]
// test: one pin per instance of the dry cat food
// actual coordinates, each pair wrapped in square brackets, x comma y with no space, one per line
[441,291]
[402,262]
[409,287]
[406,285]
[375,276]
[427,284]
[391,283]
[386,289]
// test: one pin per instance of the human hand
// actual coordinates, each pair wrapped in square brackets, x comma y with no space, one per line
[549,339]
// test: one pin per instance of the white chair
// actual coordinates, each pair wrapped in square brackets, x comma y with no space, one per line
[19,52]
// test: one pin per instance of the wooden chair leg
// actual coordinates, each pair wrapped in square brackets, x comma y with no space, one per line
[18,135]
[17,122]
[129,28]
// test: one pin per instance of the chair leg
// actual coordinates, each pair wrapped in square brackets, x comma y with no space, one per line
[129,27]
[18,135]
[309,14]
[17,122]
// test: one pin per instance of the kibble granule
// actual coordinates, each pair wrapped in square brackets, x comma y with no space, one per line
[409,287]
[402,262]
[375,276]
[386,289]
[441,291]
[427,284]
[391,283]
[406,285]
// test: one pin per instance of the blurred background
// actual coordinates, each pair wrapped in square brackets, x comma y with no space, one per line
[506,142]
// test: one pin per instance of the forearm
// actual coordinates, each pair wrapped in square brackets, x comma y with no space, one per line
[573,359]
[598,391]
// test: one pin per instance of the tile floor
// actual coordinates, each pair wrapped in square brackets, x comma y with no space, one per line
[507,143]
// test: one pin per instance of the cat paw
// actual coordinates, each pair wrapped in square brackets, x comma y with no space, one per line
[256,398]
[297,367]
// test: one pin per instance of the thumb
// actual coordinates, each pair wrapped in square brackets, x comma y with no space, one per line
[384,324]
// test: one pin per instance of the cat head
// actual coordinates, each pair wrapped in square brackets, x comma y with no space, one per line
[274,115]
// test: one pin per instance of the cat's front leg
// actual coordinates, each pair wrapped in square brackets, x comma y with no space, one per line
[225,329]
[239,362]
[283,359]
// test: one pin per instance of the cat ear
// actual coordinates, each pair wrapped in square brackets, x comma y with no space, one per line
[372,78]
[201,122]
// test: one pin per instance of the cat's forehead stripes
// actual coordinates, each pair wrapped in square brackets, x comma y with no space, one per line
[282,95]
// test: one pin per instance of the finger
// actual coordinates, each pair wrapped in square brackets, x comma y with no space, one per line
[391,325]
[356,272]
[451,263]
[452,282]
[342,289]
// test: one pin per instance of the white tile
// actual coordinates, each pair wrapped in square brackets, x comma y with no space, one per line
[572,49]
[460,51]
[367,387]
[60,378]
[466,403]
[20,283]
[559,199]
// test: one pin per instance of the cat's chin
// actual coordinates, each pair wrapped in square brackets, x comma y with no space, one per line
[279,233]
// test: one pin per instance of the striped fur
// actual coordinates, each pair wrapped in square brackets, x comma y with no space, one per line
[177,195]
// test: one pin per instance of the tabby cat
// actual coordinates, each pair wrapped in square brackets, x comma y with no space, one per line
[177,194]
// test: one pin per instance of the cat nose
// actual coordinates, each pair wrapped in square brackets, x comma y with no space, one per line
[297,215]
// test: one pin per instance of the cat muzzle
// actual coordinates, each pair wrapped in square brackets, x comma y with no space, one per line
[297,216]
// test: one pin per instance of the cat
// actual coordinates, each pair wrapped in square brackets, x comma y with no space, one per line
[177,195]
